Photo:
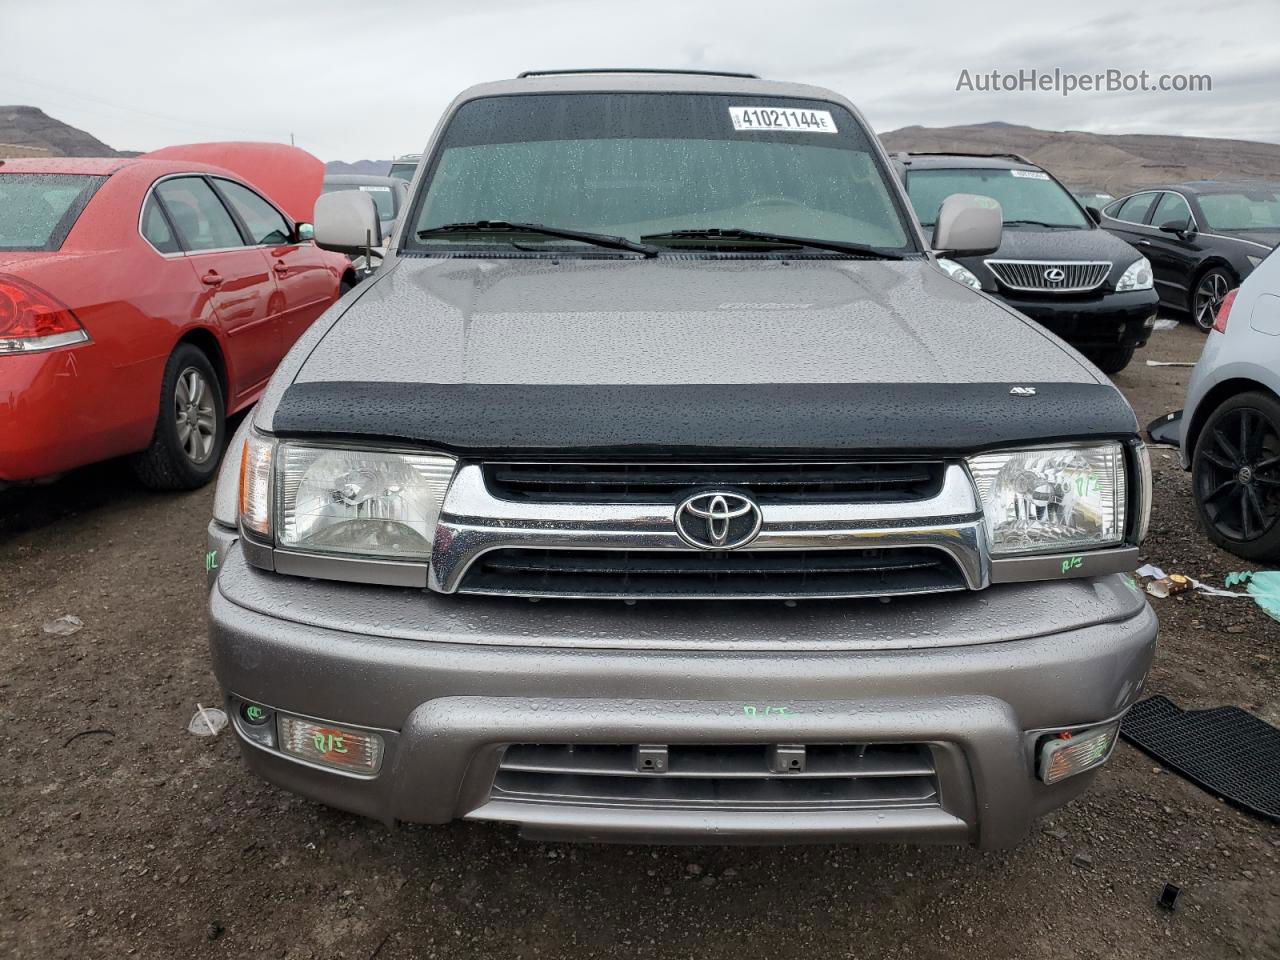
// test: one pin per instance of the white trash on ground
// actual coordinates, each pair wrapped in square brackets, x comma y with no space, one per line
[1166,323]
[64,626]
[207,721]
[1162,586]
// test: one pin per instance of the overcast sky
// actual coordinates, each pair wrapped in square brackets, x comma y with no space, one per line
[368,78]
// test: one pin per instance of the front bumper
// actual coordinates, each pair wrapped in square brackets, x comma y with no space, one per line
[1091,321]
[450,681]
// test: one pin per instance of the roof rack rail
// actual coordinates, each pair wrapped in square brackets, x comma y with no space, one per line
[905,154]
[692,73]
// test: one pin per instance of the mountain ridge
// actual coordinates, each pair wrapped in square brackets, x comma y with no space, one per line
[1115,162]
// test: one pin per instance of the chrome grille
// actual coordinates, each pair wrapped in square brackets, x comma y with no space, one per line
[1077,276]
[687,574]
[901,482]
[827,776]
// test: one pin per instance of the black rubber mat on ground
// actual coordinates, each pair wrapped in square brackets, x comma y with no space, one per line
[1226,750]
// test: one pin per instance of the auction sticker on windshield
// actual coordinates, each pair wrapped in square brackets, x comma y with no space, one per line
[782,119]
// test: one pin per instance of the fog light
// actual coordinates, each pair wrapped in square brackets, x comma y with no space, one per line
[356,751]
[1070,753]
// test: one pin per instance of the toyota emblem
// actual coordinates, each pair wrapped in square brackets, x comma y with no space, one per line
[718,520]
[1055,274]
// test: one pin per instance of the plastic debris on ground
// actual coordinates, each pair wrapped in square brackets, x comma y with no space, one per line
[64,626]
[1166,323]
[1169,897]
[1171,363]
[207,721]
[1164,585]
[1263,586]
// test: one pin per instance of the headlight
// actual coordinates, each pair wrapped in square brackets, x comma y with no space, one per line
[371,503]
[962,274]
[1052,499]
[1137,277]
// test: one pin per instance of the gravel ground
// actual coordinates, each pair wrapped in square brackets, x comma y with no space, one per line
[138,839]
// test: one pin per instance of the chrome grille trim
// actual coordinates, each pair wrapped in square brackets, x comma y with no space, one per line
[473,521]
[1079,276]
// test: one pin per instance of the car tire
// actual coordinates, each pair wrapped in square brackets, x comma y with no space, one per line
[1207,293]
[190,426]
[1235,476]
[1113,359]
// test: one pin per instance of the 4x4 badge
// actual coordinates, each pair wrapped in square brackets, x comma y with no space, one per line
[718,520]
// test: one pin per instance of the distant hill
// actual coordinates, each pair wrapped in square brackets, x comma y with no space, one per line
[32,127]
[1116,163]
[375,168]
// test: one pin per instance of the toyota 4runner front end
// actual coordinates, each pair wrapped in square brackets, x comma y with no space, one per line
[660,486]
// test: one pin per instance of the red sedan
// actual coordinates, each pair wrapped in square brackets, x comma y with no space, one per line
[142,301]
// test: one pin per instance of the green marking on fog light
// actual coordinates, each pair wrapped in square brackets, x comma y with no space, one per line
[255,713]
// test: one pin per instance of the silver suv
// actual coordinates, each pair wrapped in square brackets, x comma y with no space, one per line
[661,486]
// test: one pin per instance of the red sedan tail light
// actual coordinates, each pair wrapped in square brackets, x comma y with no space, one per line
[1224,311]
[33,319]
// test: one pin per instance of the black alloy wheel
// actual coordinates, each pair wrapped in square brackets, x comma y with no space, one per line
[1210,292]
[1236,476]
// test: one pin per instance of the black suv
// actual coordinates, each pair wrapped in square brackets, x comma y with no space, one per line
[1055,264]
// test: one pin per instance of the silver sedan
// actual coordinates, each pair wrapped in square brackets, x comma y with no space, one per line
[1229,431]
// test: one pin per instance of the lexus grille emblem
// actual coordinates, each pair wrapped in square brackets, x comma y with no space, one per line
[718,520]
[1055,274]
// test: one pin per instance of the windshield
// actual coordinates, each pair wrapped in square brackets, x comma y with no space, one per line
[384,198]
[38,210]
[632,165]
[1029,195]
[1246,210]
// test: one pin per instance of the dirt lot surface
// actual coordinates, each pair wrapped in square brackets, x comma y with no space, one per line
[139,839]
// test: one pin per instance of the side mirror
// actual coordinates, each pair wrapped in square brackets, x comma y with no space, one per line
[1182,228]
[1094,214]
[304,232]
[347,222]
[968,226]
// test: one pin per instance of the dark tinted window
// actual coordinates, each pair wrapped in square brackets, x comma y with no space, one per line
[634,164]
[156,228]
[1135,208]
[265,223]
[202,221]
[38,210]
[1172,206]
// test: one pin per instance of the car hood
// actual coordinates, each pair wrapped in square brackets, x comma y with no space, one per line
[441,350]
[612,321]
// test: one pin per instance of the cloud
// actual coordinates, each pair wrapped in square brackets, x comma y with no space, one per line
[371,79]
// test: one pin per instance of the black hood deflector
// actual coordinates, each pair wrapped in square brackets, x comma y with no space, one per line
[802,419]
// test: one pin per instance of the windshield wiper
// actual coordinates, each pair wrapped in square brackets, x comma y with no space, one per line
[1041,223]
[504,226]
[782,240]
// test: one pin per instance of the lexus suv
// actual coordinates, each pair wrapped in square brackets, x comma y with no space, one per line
[1054,263]
[660,486]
